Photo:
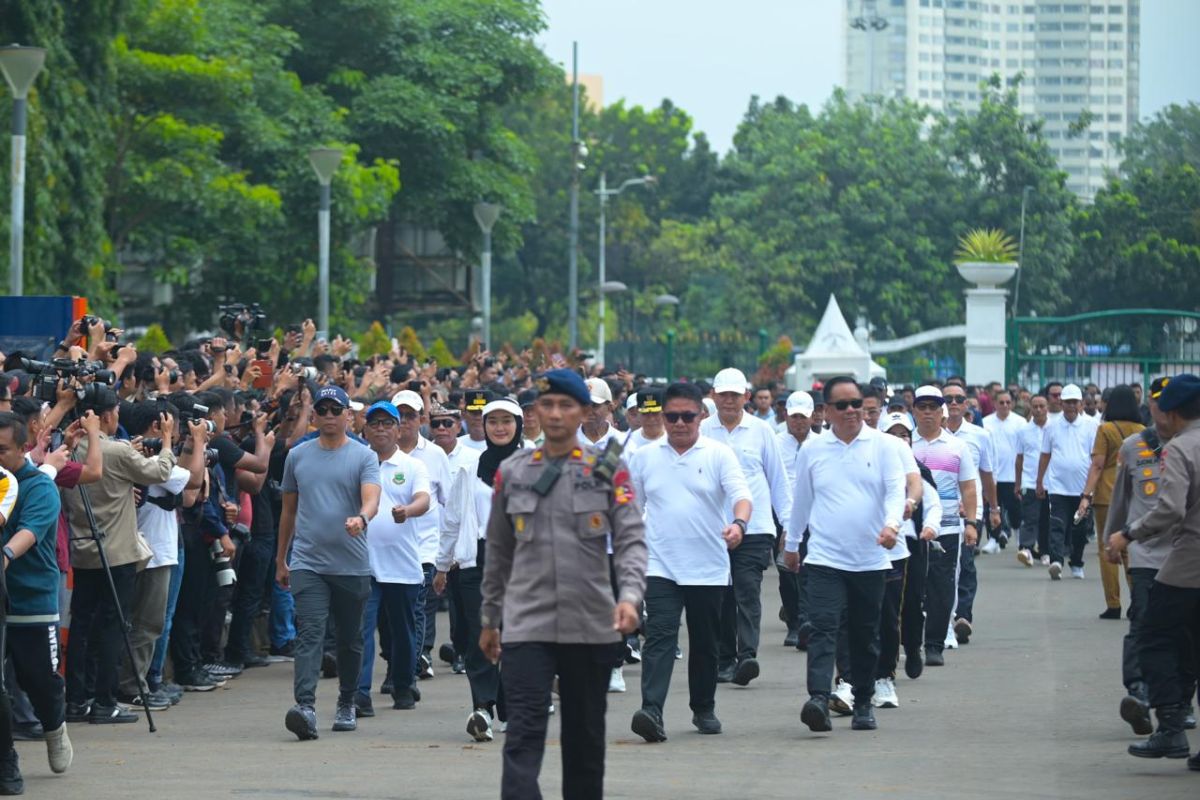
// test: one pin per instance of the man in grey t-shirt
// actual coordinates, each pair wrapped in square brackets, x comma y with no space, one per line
[330,493]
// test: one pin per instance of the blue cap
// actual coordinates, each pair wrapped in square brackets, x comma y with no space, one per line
[386,407]
[334,393]
[564,381]
[1179,390]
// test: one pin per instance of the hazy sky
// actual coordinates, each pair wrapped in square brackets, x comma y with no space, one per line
[710,56]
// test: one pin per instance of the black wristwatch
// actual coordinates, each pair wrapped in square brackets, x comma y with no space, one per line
[366,521]
[9,554]
[741,523]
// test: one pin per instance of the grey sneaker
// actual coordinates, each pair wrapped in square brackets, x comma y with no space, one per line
[59,750]
[346,718]
[302,721]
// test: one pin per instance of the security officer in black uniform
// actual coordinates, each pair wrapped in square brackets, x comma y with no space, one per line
[546,584]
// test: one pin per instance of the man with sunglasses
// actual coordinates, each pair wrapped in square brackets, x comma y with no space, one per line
[1053,392]
[979,444]
[1062,476]
[954,472]
[850,499]
[330,493]
[753,442]
[697,504]
[410,406]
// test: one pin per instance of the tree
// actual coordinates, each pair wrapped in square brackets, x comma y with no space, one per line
[1168,140]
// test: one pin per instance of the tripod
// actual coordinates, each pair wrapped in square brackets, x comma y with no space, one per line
[97,536]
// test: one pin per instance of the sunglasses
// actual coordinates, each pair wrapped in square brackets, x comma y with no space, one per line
[955,399]
[442,423]
[328,410]
[842,405]
[688,417]
[929,406]
[381,422]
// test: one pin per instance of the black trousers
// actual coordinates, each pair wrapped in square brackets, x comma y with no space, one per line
[427,630]
[939,590]
[1010,506]
[889,620]
[465,595]
[912,603]
[1167,643]
[257,556]
[34,651]
[968,580]
[791,589]
[665,602]
[741,609]
[1035,522]
[859,595]
[196,590]
[1140,581]
[583,671]
[96,632]
[1065,533]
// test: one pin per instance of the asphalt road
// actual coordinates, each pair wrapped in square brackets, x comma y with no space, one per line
[1027,710]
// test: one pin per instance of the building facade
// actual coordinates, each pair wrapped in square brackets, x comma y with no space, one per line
[1076,57]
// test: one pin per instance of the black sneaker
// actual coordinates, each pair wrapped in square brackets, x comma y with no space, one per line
[33,732]
[934,657]
[345,719]
[285,652]
[302,721]
[403,700]
[446,653]
[11,781]
[173,692]
[424,667]
[388,685]
[914,662]
[79,712]
[219,669]
[460,665]
[329,665]
[633,651]
[253,660]
[864,718]
[155,701]
[815,714]
[706,722]
[218,681]
[110,715]
[195,682]
[725,672]
[363,703]
[746,671]
[648,725]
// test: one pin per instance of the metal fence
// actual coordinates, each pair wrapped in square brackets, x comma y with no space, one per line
[691,355]
[918,365]
[1103,347]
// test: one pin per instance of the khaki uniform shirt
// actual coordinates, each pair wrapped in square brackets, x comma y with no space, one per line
[546,574]
[1177,512]
[112,503]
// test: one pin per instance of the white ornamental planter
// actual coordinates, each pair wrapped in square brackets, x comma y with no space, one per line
[987,275]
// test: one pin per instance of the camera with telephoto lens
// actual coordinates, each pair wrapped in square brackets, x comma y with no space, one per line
[48,376]
[240,320]
[240,532]
[221,566]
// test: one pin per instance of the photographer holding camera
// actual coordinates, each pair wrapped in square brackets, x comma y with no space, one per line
[95,630]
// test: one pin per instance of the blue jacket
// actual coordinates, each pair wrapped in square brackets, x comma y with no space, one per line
[33,578]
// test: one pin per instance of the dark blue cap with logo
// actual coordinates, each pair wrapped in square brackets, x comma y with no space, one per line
[334,393]
[564,381]
[1179,390]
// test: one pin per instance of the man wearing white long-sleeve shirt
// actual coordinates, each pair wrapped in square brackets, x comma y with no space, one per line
[850,497]
[754,443]
[688,484]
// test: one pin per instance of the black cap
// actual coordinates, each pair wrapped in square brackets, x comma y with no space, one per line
[650,399]
[527,398]
[477,399]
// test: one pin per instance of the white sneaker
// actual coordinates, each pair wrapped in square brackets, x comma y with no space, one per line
[951,642]
[1055,571]
[616,682]
[1077,573]
[842,699]
[1025,557]
[59,750]
[989,547]
[1045,561]
[479,725]
[885,694]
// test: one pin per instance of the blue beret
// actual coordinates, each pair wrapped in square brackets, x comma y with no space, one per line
[1179,390]
[564,381]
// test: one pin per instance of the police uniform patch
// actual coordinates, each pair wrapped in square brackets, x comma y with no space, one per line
[519,524]
[596,522]
[1149,488]
[1147,472]
[622,488]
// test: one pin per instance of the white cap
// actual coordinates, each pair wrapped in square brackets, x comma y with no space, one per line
[598,389]
[800,403]
[710,406]
[410,399]
[900,418]
[356,406]
[631,401]
[730,380]
[1071,392]
[504,404]
[929,392]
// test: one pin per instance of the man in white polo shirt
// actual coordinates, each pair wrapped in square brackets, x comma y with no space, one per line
[954,473]
[649,407]
[1062,475]
[597,427]
[753,442]
[687,483]
[1005,428]
[850,497]
[1035,511]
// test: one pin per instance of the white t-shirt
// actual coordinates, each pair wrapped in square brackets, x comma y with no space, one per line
[395,548]
[1029,443]
[757,449]
[1070,447]
[845,494]
[600,443]
[479,445]
[950,460]
[159,526]
[686,498]
[1005,444]
[437,468]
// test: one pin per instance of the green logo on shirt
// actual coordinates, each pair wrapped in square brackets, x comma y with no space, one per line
[398,478]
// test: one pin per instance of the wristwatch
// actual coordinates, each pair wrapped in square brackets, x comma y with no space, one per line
[365,521]
[741,523]
[9,554]
[891,523]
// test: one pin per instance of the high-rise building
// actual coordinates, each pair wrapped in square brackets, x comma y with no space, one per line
[1076,57]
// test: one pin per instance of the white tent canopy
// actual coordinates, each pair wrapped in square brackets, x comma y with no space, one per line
[832,351]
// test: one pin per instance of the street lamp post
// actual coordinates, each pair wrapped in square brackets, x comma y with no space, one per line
[325,161]
[604,193]
[1020,249]
[486,215]
[673,301]
[20,66]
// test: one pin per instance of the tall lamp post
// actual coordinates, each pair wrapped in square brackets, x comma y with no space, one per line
[673,301]
[325,161]
[20,66]
[1021,249]
[486,215]
[604,193]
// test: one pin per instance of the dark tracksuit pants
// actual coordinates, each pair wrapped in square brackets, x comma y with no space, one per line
[1067,538]
[939,590]
[665,602]
[912,604]
[741,609]
[859,596]
[1035,522]
[464,586]
[1169,643]
[968,579]
[34,651]
[583,671]
[1010,506]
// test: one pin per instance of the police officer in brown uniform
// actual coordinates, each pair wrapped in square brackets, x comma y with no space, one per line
[546,584]
[1171,627]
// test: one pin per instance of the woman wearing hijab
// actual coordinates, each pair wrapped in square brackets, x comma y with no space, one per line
[461,551]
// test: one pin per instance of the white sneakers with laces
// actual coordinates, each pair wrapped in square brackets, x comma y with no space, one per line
[1025,557]
[842,699]
[885,694]
[479,725]
[616,681]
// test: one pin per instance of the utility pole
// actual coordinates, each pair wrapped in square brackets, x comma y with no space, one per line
[573,246]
